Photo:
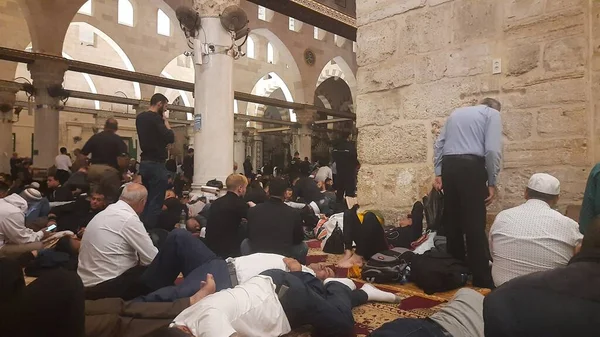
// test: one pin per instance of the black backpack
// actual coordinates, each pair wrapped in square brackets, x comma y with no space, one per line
[435,271]
[335,242]
[434,209]
[400,236]
[215,183]
[385,267]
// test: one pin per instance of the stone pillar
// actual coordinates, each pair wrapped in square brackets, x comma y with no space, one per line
[239,147]
[305,118]
[7,101]
[46,73]
[213,92]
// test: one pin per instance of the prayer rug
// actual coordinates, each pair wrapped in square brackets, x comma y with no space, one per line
[368,317]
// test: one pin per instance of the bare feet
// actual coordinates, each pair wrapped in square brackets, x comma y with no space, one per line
[347,255]
[354,260]
[207,287]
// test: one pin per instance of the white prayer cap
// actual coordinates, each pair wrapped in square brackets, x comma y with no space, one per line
[544,183]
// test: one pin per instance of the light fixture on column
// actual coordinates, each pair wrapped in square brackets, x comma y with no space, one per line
[57,91]
[189,22]
[8,112]
[235,20]
[30,92]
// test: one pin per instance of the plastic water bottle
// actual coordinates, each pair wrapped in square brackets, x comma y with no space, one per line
[182,220]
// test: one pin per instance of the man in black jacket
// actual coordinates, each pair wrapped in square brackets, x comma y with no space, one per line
[560,302]
[155,134]
[223,228]
[274,227]
[78,214]
[56,191]
[345,157]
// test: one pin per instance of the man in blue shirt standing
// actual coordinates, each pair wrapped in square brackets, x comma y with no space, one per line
[467,156]
[154,133]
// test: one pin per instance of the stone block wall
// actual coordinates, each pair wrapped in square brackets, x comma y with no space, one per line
[420,59]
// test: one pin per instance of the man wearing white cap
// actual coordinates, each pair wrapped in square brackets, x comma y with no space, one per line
[532,237]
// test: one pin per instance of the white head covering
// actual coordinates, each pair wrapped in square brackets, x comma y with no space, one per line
[31,194]
[544,183]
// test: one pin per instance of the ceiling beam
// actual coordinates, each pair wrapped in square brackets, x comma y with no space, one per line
[272,130]
[95,69]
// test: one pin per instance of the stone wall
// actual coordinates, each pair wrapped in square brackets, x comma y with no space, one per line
[420,59]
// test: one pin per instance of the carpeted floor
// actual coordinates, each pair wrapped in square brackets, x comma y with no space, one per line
[415,303]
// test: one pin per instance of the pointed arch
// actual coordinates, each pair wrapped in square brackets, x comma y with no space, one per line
[124,58]
[265,87]
[338,67]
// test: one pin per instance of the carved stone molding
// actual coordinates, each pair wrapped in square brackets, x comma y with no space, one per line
[212,8]
[327,11]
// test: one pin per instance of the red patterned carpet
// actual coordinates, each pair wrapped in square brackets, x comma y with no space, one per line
[415,303]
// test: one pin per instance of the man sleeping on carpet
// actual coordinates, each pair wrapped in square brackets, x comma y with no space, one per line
[275,302]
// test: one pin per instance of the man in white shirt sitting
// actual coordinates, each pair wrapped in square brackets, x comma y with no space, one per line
[15,238]
[532,237]
[117,257]
[116,248]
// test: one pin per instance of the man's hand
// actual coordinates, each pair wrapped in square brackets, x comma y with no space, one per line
[491,195]
[167,125]
[251,204]
[292,264]
[46,234]
[437,183]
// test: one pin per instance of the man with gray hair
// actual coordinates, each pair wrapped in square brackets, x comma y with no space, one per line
[467,156]
[116,247]
[117,257]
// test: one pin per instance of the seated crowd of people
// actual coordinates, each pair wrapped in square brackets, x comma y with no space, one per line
[243,259]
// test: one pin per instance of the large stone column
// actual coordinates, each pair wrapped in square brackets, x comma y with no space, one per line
[305,118]
[46,73]
[239,147]
[213,120]
[7,101]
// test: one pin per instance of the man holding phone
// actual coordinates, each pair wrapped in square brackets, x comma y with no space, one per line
[154,133]
[15,238]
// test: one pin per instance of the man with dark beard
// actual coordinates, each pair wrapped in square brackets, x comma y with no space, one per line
[155,134]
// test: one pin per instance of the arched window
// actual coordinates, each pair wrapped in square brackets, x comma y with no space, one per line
[270,53]
[125,15]
[250,48]
[163,23]
[86,8]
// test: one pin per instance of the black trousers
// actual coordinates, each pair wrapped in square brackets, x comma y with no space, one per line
[464,179]
[327,308]
[368,236]
[346,184]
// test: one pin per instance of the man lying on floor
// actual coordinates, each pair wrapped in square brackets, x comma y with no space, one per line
[275,302]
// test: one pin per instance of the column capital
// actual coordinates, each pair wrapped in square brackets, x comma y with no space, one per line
[45,73]
[212,8]
[239,125]
[7,104]
[306,116]
[141,107]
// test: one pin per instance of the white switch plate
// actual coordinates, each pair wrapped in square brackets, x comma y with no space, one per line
[497,66]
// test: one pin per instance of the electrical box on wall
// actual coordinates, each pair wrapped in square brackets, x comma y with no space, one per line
[497,66]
